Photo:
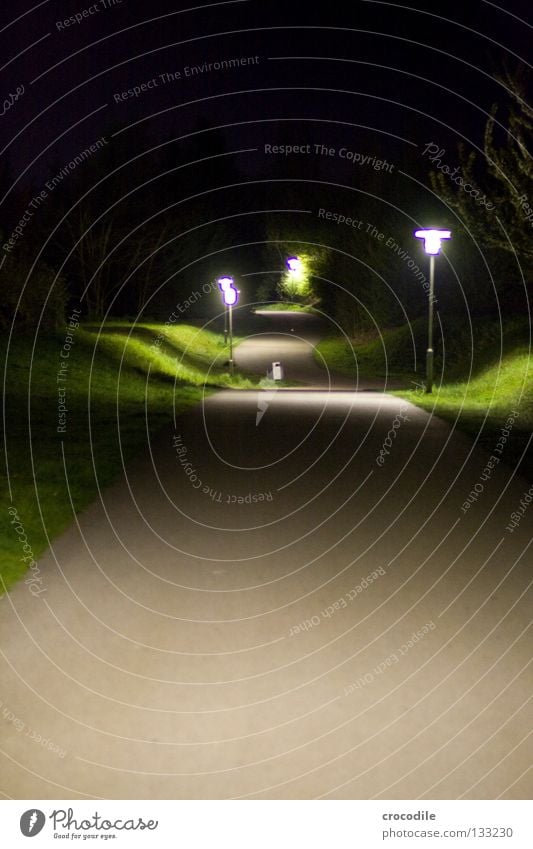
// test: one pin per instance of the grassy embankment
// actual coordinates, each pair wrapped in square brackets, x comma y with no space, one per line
[476,387]
[283,306]
[116,388]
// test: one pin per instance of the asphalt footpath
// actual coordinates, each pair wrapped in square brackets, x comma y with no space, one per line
[297,593]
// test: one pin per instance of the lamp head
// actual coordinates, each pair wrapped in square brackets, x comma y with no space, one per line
[230,296]
[432,239]
[294,263]
[224,283]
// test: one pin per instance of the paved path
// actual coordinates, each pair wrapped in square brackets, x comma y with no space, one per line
[282,618]
[291,340]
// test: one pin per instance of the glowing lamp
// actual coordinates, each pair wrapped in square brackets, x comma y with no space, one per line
[432,239]
[224,283]
[230,296]
[294,263]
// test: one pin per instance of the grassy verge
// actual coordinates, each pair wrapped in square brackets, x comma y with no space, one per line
[486,375]
[483,406]
[401,351]
[392,354]
[116,388]
[282,306]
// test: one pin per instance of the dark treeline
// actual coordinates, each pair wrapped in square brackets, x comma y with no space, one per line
[139,224]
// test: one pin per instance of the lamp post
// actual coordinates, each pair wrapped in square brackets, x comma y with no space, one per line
[224,283]
[230,295]
[432,244]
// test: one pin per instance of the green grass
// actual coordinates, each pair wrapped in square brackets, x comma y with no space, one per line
[482,405]
[282,306]
[486,375]
[400,351]
[390,354]
[117,386]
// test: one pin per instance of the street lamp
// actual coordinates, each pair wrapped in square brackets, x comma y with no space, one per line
[231,296]
[432,244]
[294,280]
[294,264]
[224,283]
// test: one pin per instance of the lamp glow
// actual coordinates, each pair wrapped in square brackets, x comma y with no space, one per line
[294,263]
[224,283]
[230,296]
[433,239]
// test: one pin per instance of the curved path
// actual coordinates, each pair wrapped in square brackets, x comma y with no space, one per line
[290,338]
[269,605]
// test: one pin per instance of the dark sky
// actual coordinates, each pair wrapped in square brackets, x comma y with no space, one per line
[374,80]
[400,71]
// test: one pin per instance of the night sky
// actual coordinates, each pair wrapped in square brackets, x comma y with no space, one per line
[401,71]
[230,83]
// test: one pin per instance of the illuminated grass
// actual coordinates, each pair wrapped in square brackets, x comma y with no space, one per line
[182,353]
[480,404]
[281,306]
[391,354]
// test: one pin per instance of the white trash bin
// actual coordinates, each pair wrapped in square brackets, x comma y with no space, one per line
[277,371]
